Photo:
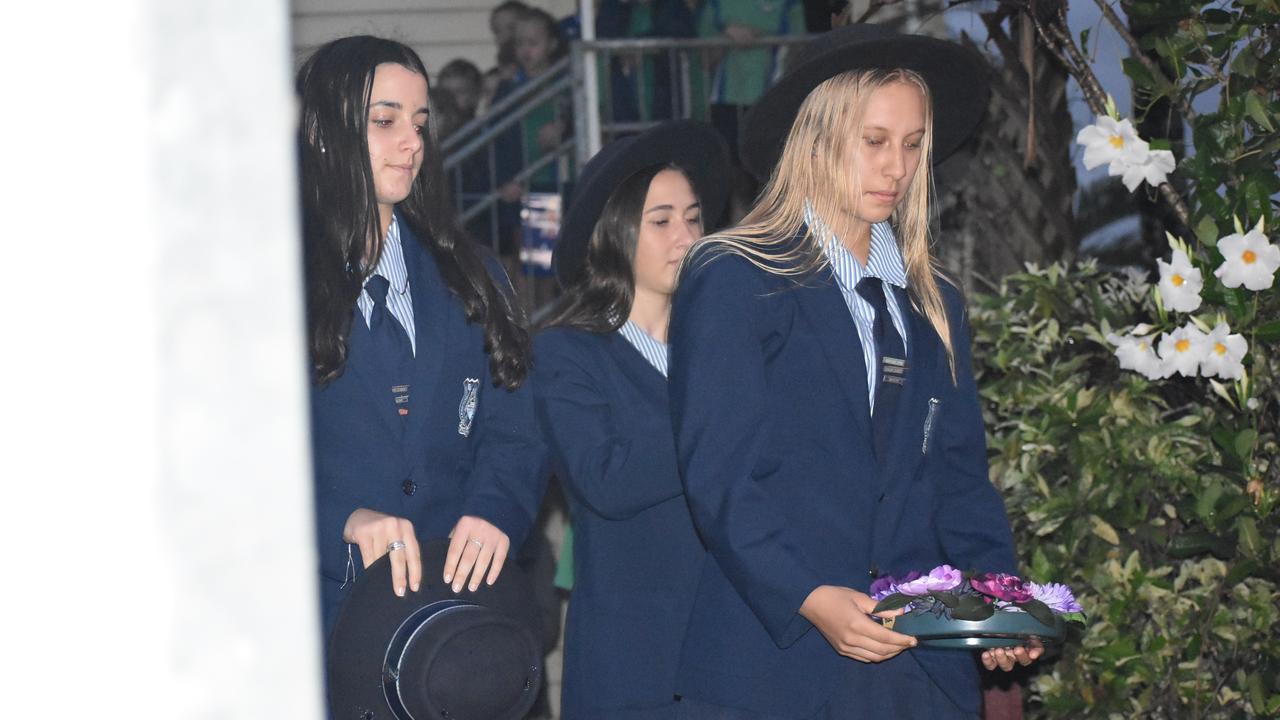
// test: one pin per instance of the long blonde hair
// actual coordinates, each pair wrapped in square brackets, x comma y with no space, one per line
[813,167]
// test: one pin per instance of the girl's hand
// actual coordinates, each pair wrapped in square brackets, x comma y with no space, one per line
[1006,658]
[374,533]
[843,616]
[475,545]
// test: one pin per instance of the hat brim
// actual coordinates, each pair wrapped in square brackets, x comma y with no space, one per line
[372,614]
[957,77]
[694,147]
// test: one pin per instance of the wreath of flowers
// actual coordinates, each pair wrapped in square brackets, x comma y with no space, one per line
[956,595]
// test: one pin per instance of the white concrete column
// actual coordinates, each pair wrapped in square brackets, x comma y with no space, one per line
[155,494]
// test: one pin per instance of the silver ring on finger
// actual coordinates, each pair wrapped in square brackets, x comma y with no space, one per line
[395,545]
[478,543]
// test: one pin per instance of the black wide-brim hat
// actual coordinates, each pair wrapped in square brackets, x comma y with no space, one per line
[694,147]
[433,653]
[957,77]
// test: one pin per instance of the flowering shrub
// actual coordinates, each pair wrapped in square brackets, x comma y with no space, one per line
[1144,496]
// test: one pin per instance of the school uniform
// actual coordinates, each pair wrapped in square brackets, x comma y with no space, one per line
[794,483]
[602,404]
[418,430]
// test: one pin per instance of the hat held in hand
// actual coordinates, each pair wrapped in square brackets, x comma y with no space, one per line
[434,653]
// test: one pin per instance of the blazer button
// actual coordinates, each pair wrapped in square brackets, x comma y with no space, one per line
[409,487]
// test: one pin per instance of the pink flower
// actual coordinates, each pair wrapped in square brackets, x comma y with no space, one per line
[1010,588]
[939,579]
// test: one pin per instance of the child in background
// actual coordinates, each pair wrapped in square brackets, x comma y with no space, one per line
[537,46]
[502,23]
[461,79]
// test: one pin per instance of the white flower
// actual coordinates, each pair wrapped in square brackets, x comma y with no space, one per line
[1252,403]
[1248,260]
[1180,283]
[1137,354]
[1107,140]
[1223,354]
[1183,349]
[1153,166]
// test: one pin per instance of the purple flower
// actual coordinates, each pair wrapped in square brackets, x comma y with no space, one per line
[886,585]
[939,579]
[1057,596]
[1002,587]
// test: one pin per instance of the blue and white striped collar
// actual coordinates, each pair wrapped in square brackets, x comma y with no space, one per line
[656,353]
[884,259]
[391,262]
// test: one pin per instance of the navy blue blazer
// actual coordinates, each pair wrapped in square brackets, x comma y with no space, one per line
[426,470]
[770,410]
[603,411]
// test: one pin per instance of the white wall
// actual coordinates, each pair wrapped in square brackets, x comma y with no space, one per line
[154,462]
[439,30]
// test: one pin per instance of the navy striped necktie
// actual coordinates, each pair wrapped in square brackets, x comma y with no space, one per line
[891,363]
[391,343]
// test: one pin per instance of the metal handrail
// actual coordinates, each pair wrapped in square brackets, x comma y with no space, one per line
[491,199]
[691,43]
[503,106]
[455,158]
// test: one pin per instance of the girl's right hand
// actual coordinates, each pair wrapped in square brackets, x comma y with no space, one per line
[843,616]
[374,532]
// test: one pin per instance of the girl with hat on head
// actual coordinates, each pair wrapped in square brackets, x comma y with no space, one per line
[600,390]
[417,350]
[826,417]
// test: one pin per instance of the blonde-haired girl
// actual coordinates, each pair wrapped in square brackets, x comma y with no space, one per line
[827,422]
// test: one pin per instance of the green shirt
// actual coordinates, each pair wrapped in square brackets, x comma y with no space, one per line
[742,75]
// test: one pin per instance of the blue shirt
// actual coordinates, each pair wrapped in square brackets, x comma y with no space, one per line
[654,352]
[884,261]
[399,299]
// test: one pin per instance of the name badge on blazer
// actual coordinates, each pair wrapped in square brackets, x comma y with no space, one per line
[467,407]
[928,424]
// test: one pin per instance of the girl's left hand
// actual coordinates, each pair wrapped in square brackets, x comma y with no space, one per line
[1006,658]
[475,545]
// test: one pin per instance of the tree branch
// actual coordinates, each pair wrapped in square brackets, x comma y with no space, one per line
[1184,106]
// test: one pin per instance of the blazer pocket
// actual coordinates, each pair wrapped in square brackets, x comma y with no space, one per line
[929,420]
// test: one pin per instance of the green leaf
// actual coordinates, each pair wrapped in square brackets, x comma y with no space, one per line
[1250,540]
[1268,332]
[893,602]
[1207,231]
[948,599]
[1139,74]
[1039,611]
[1244,442]
[1103,529]
[1258,111]
[1245,62]
[973,611]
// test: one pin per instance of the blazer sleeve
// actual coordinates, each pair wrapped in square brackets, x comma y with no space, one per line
[509,476]
[718,390]
[616,475]
[966,488]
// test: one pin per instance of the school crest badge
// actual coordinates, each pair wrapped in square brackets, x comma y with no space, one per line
[467,407]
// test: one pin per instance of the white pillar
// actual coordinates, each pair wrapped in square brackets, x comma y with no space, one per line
[156,494]
[591,84]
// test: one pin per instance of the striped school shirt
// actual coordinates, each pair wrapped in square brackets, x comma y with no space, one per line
[399,299]
[883,261]
[654,352]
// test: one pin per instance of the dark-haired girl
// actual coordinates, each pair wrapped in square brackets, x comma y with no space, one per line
[601,392]
[417,351]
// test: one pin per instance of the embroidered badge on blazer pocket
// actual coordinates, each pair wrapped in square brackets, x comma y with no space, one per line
[928,424]
[467,407]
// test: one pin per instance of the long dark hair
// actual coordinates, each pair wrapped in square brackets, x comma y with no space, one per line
[600,300]
[340,213]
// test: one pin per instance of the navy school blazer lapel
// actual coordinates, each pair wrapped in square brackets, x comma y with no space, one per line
[823,305]
[432,304]
[634,365]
